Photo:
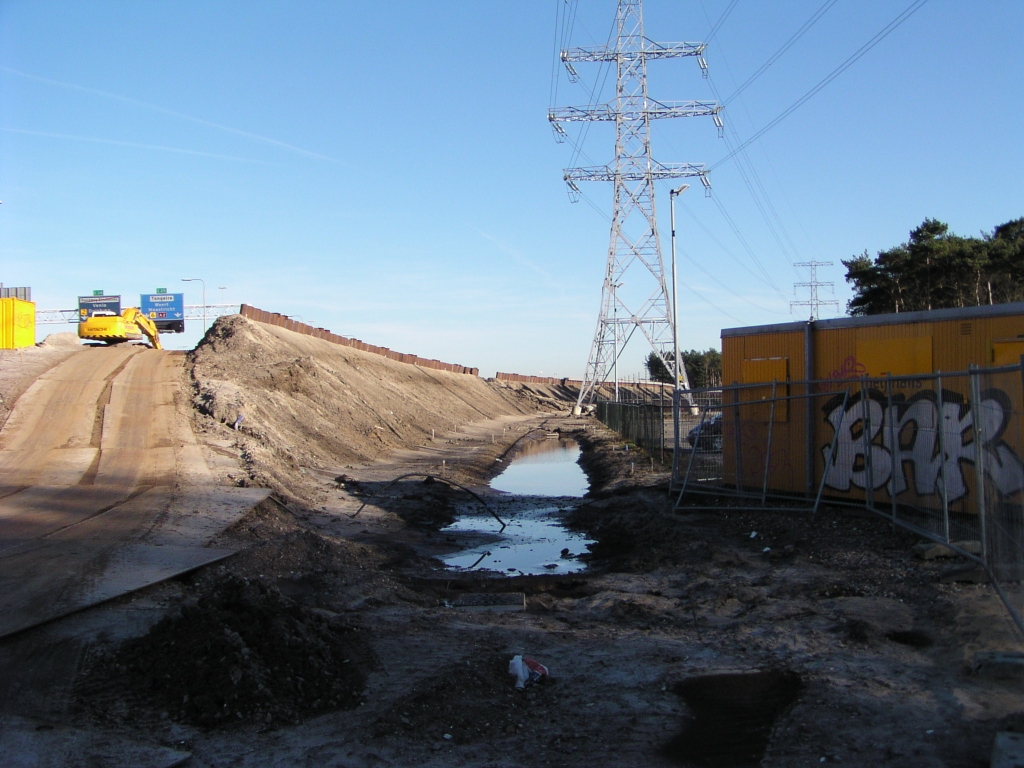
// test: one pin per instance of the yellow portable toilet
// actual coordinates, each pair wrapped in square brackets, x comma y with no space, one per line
[17,323]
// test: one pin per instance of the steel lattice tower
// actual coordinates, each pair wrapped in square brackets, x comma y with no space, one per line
[813,301]
[634,241]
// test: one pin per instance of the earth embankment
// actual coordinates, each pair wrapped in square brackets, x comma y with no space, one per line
[305,403]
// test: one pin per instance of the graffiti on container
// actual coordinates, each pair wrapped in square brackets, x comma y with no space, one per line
[870,432]
[850,369]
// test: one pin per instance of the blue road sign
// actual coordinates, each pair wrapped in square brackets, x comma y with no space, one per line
[90,305]
[166,310]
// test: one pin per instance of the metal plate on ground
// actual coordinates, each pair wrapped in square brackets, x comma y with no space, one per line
[38,586]
[30,744]
[97,559]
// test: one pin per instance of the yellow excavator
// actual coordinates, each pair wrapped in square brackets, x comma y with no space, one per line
[109,328]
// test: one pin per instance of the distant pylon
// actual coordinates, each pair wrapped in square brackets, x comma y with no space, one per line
[634,231]
[813,302]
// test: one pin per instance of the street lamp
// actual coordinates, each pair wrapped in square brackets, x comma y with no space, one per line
[222,288]
[200,280]
[676,404]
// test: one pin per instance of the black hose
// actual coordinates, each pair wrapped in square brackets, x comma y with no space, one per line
[433,477]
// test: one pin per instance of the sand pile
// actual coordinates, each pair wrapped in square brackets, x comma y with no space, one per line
[306,403]
[65,340]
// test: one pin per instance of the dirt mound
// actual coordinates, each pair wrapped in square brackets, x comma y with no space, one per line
[243,652]
[307,403]
[65,340]
[314,570]
[636,532]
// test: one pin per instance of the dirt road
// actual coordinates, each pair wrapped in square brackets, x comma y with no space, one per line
[89,460]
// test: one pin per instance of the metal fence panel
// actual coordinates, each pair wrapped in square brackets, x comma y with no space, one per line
[940,454]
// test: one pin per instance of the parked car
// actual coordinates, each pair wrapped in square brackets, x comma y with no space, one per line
[707,435]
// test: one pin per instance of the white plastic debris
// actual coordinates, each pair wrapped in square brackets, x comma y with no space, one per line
[526,670]
[753,534]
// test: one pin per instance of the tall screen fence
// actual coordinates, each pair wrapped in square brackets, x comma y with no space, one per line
[643,421]
[939,454]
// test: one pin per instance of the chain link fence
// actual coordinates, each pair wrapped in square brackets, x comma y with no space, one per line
[939,454]
[644,420]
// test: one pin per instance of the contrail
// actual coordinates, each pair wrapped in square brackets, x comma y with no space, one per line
[515,254]
[133,144]
[179,115]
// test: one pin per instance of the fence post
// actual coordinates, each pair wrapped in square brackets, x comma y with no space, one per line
[865,406]
[736,436]
[661,415]
[809,408]
[648,437]
[894,446]
[979,458]
[831,455]
[942,455]
[689,464]
[768,449]
[676,444]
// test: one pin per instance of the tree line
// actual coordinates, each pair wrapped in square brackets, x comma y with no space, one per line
[703,369]
[937,269]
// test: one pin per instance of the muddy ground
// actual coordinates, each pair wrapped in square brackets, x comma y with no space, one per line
[866,649]
[705,638]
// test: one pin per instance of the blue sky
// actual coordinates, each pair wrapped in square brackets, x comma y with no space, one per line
[386,170]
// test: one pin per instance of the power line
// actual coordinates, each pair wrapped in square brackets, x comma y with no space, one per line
[785,47]
[600,212]
[885,32]
[720,22]
[790,252]
[746,245]
[730,129]
[727,252]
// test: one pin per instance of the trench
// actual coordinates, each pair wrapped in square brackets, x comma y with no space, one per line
[538,487]
[731,717]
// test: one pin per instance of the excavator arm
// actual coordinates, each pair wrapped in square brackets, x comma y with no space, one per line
[132,315]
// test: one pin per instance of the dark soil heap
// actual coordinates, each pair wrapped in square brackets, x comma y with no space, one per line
[244,652]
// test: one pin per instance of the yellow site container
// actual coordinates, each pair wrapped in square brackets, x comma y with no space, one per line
[838,355]
[17,323]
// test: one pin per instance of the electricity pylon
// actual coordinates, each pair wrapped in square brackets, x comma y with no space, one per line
[813,301]
[634,231]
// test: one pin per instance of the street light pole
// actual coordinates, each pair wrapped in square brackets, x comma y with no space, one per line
[676,397]
[200,280]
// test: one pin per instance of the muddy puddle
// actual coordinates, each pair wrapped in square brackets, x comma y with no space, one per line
[543,481]
[544,468]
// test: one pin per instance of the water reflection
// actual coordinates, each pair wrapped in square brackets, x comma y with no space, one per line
[544,468]
[534,540]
